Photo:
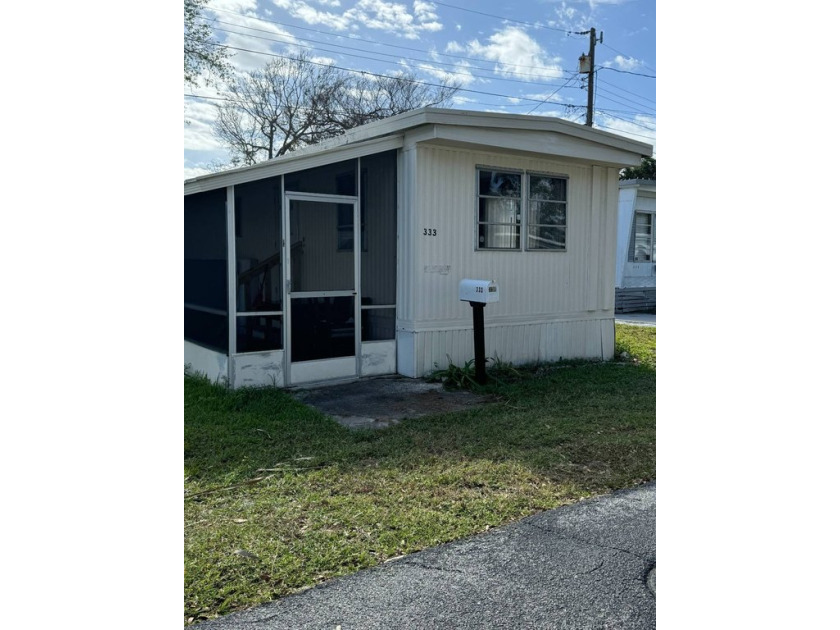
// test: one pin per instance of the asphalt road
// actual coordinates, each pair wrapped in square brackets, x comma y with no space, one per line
[587,565]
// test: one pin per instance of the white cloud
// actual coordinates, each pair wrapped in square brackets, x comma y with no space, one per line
[195,171]
[462,100]
[391,17]
[303,11]
[396,18]
[236,6]
[424,11]
[623,63]
[516,54]
[249,31]
[198,134]
[463,75]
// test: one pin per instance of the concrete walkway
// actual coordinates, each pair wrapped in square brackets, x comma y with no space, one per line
[587,565]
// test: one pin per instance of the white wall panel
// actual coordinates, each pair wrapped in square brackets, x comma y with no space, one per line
[552,304]
[201,360]
[529,282]
[379,357]
[259,369]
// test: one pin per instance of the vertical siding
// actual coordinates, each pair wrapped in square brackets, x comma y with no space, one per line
[530,283]
[552,304]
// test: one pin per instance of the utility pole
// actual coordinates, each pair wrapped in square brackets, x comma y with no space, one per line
[587,66]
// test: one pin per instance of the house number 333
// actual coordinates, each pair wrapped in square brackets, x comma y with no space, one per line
[429,231]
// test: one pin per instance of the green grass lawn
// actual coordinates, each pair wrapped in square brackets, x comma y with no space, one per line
[279,498]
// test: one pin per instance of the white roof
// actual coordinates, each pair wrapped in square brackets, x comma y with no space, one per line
[538,134]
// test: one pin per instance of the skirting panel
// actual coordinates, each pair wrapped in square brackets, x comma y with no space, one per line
[200,360]
[259,369]
[518,344]
[635,300]
[378,358]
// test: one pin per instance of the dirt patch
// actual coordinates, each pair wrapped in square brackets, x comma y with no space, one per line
[380,402]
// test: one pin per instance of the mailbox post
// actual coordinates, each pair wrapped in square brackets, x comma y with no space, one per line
[478,293]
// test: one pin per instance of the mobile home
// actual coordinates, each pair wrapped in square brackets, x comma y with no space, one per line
[343,260]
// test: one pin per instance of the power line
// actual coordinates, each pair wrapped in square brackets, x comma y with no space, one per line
[553,93]
[632,122]
[467,74]
[600,80]
[382,76]
[501,17]
[628,56]
[638,74]
[566,105]
[624,111]
[606,98]
[378,43]
[624,131]
[626,100]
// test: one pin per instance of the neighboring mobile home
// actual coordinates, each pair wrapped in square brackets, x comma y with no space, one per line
[635,260]
[343,260]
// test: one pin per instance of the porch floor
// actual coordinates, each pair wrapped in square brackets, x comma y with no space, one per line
[376,403]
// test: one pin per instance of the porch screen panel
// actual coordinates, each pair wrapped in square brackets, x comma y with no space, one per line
[378,201]
[332,179]
[259,265]
[205,270]
[320,258]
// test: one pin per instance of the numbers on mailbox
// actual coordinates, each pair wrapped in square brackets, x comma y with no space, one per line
[429,231]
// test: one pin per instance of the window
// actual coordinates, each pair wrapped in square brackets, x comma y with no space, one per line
[642,242]
[499,209]
[546,212]
[501,196]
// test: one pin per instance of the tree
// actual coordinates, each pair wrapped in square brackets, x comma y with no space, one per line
[647,170]
[201,54]
[294,102]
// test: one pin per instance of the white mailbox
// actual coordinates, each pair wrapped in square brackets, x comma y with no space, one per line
[482,291]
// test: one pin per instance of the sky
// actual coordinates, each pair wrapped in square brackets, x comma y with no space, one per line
[509,56]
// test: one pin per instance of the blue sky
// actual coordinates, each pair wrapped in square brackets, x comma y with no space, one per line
[517,57]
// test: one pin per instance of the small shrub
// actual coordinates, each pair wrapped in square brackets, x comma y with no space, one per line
[463,377]
[454,376]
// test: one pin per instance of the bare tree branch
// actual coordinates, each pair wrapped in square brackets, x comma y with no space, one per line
[291,103]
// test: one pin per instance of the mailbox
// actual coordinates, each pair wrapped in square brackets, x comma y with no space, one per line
[481,291]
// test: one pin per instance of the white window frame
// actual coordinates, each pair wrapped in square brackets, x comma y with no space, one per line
[479,196]
[527,217]
[631,250]
[524,209]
